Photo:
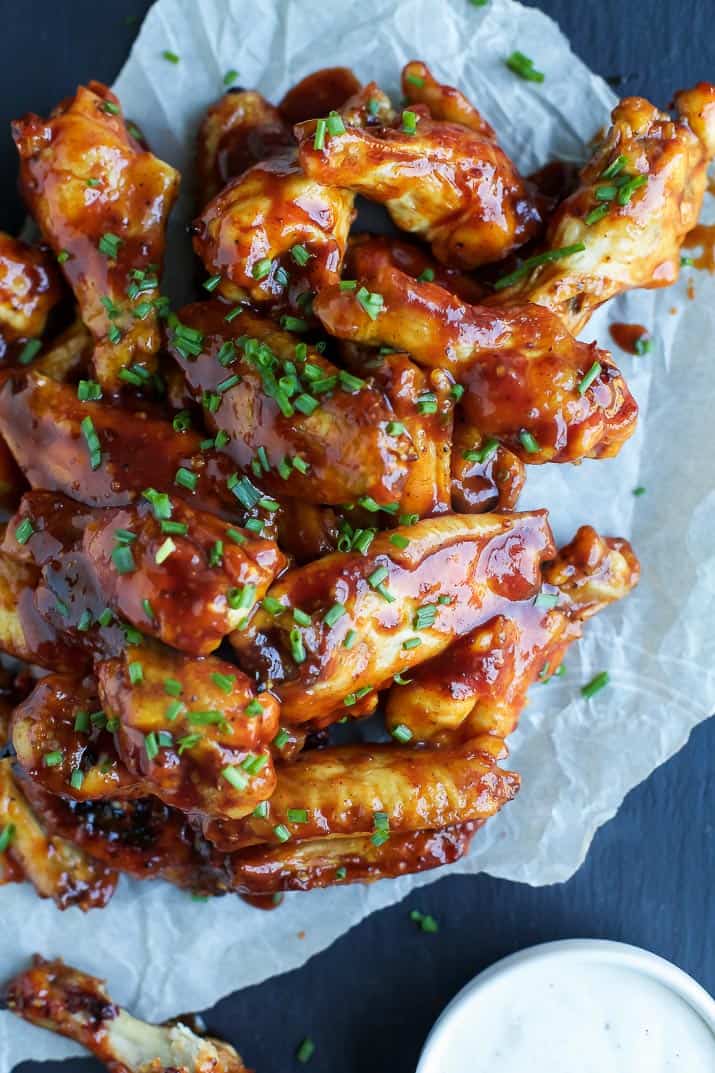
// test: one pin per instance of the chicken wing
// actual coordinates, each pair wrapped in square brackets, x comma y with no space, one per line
[527,382]
[333,632]
[318,94]
[452,185]
[101,202]
[484,474]
[56,867]
[479,685]
[29,288]
[360,789]
[55,996]
[175,573]
[274,233]
[419,86]
[639,195]
[302,426]
[240,129]
[325,862]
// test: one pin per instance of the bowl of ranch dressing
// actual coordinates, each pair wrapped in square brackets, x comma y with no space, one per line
[578,1006]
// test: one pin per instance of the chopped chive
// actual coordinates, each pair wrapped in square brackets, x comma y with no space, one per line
[92,440]
[341,872]
[76,779]
[281,832]
[643,345]
[24,531]
[110,108]
[230,76]
[177,528]
[306,404]
[482,454]
[378,576]
[123,559]
[409,122]
[235,536]
[395,428]
[528,442]
[538,259]
[188,742]
[427,403]
[297,815]
[253,708]
[211,283]
[262,268]
[349,382]
[173,710]
[412,642]
[300,617]
[401,733]
[334,615]
[425,616]
[53,759]
[399,680]
[335,124]
[306,1050]
[241,599]
[399,540]
[363,539]
[615,167]
[628,189]
[254,525]
[524,67]
[181,421]
[596,214]
[296,646]
[590,376]
[639,491]
[282,738]
[233,313]
[371,302]
[136,673]
[164,551]
[687,262]
[29,351]
[300,255]
[216,553]
[350,638]
[319,139]
[124,536]
[347,285]
[110,244]
[173,687]
[185,478]
[261,810]
[415,80]
[105,619]
[235,777]
[595,685]
[170,56]
[272,606]
[85,620]
[424,921]
[212,717]
[63,256]
[89,391]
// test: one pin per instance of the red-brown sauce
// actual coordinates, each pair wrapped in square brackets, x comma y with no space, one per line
[267,902]
[703,237]
[628,336]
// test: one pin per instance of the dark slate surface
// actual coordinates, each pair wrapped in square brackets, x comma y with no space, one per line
[369,1001]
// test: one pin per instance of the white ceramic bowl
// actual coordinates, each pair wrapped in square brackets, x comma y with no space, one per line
[451,1045]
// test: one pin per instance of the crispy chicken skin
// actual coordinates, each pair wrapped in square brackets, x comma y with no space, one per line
[239,130]
[279,401]
[56,867]
[29,288]
[340,791]
[450,184]
[62,999]
[460,569]
[180,578]
[520,368]
[479,685]
[84,177]
[248,232]
[636,243]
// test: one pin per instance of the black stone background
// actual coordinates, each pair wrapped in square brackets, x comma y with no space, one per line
[369,1001]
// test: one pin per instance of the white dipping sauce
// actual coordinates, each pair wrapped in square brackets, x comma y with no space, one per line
[562,1015]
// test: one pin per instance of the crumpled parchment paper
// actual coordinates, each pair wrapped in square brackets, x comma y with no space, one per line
[164,953]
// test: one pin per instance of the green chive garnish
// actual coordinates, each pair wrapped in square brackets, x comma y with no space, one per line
[595,685]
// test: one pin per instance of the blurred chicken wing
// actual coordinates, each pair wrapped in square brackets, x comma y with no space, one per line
[638,197]
[101,202]
[57,997]
[419,86]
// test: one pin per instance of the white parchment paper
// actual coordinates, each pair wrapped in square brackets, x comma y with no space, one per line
[164,953]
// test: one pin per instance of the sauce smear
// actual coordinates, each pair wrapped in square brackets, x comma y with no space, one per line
[702,236]
[628,336]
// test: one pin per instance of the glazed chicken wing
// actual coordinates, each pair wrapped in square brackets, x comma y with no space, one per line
[303,427]
[419,86]
[318,94]
[274,233]
[639,195]
[479,684]
[358,789]
[29,288]
[527,382]
[441,180]
[101,202]
[55,996]
[240,129]
[56,867]
[332,632]
[177,574]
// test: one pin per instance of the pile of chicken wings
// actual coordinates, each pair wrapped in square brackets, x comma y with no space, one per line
[238,528]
